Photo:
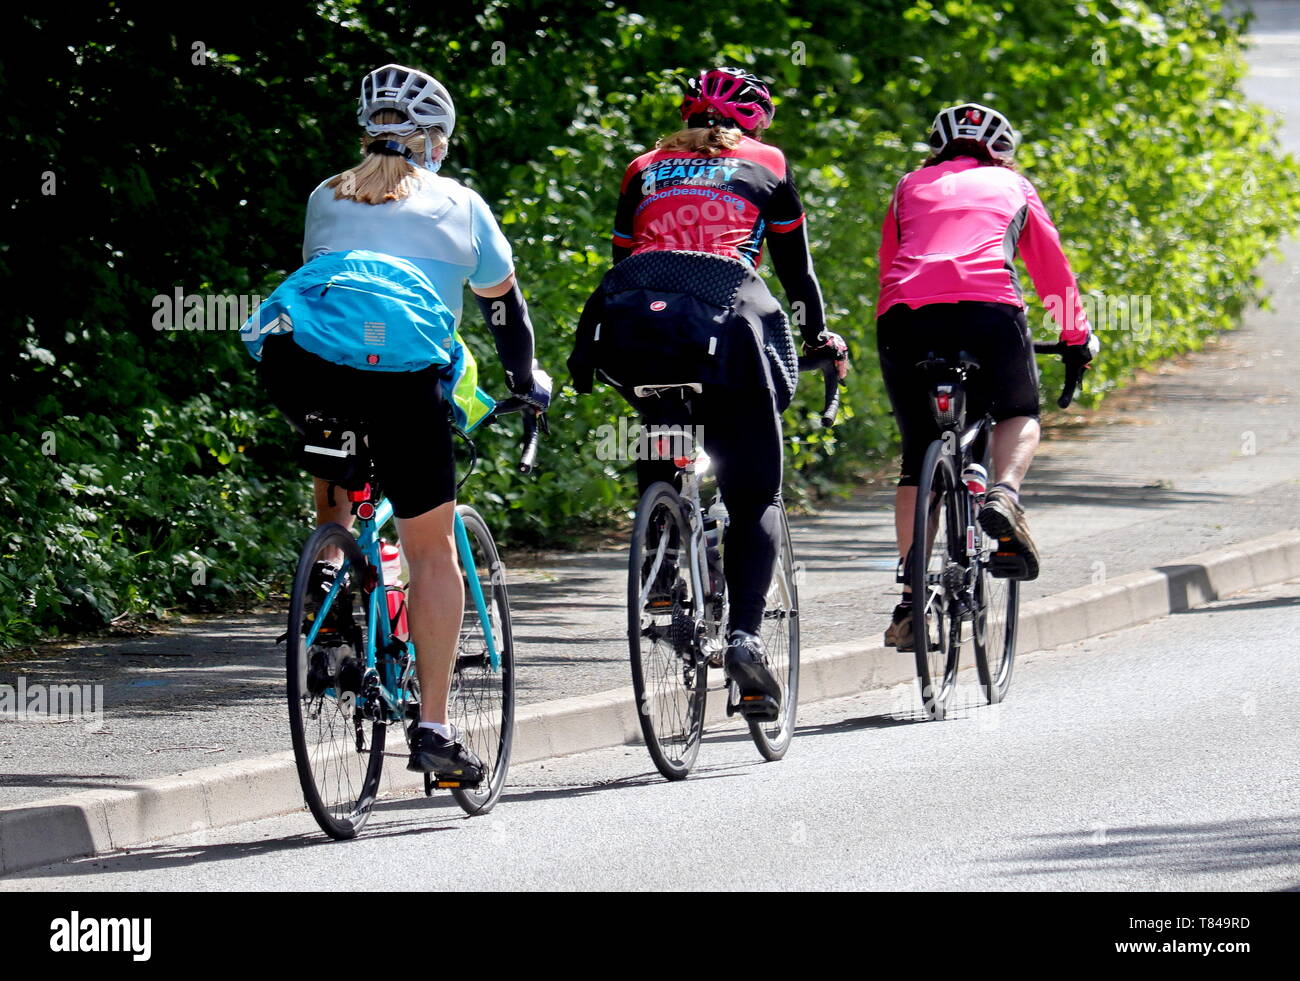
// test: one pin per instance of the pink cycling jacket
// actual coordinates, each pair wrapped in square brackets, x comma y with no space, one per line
[952,232]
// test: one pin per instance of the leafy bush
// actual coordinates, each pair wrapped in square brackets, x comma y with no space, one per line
[144,470]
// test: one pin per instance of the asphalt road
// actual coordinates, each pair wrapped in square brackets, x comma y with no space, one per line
[1159,758]
[1197,454]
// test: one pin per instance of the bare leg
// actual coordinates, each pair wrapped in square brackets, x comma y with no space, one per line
[1014,443]
[435,599]
[339,513]
[904,514]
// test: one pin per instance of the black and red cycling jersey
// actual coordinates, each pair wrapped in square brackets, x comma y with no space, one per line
[725,205]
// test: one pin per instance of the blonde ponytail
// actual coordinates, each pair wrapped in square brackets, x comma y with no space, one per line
[382,177]
[706,140]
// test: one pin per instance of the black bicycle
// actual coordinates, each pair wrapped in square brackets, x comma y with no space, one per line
[955,597]
[677,604]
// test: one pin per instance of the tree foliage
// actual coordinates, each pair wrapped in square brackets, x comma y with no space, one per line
[142,468]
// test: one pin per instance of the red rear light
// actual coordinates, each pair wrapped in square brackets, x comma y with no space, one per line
[682,462]
[944,402]
[359,495]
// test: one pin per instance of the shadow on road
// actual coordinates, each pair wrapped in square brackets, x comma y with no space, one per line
[1211,848]
[154,857]
[1263,604]
[60,781]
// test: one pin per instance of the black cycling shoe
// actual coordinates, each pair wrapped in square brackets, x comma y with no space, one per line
[660,596]
[333,666]
[350,674]
[1016,555]
[746,665]
[446,759]
[323,576]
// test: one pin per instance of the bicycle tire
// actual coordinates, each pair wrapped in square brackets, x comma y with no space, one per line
[482,700]
[780,636]
[935,537]
[323,728]
[996,622]
[669,673]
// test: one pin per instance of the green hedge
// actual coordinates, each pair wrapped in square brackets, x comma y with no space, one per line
[143,470]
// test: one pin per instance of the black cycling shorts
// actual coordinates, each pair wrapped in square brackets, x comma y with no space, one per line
[995,334]
[403,413]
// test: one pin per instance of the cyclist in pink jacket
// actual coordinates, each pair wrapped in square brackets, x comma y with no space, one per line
[948,283]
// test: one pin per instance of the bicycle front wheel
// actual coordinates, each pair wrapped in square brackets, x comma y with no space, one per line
[936,573]
[339,753]
[780,635]
[482,700]
[669,672]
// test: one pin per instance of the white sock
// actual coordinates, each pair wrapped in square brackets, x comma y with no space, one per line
[441,728]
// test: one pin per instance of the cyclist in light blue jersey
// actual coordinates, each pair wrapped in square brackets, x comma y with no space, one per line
[399,242]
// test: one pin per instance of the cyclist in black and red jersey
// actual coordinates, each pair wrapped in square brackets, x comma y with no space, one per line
[684,304]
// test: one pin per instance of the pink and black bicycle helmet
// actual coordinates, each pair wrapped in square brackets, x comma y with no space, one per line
[728,96]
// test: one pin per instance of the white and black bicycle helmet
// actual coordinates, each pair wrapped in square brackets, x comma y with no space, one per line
[970,121]
[420,97]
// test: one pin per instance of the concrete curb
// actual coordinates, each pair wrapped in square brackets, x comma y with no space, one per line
[98,821]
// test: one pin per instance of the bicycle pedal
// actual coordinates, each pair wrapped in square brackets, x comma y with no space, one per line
[451,783]
[1008,565]
[759,707]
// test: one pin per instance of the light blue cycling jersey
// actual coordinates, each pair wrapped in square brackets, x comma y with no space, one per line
[443,227]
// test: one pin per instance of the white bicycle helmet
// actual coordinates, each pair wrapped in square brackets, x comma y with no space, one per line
[420,97]
[970,121]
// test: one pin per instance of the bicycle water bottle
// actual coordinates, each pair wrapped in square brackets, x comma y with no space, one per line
[976,479]
[390,557]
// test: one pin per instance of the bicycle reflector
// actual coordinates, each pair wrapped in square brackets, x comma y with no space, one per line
[949,405]
[667,448]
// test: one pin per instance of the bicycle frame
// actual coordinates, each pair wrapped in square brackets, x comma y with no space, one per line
[392,685]
[691,473]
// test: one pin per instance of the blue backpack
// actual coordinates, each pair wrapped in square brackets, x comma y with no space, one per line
[374,312]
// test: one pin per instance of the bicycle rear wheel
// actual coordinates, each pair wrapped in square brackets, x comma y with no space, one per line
[482,700]
[669,673]
[338,766]
[780,636]
[935,573]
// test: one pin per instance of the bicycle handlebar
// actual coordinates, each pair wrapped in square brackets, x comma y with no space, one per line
[1074,369]
[831,380]
[534,425]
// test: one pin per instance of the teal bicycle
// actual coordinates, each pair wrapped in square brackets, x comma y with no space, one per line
[352,675]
